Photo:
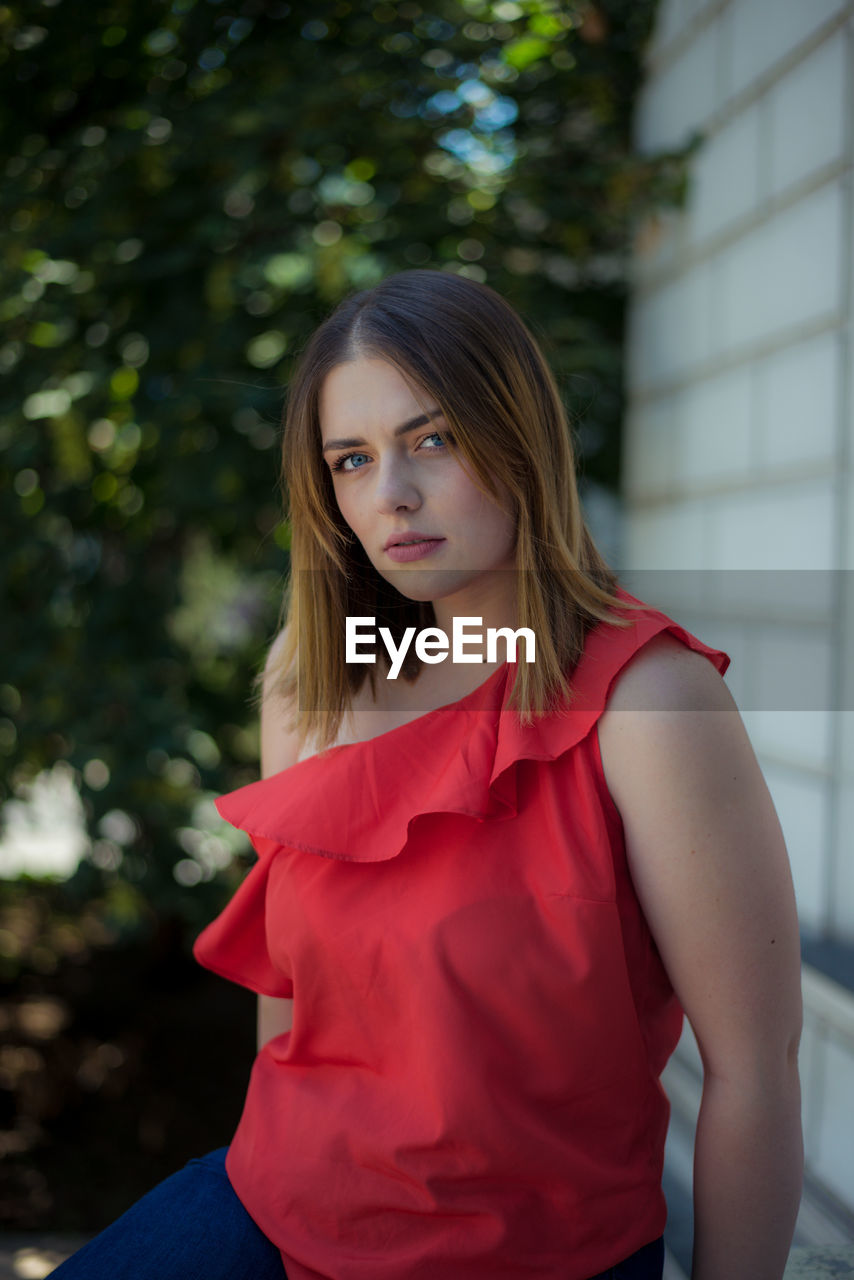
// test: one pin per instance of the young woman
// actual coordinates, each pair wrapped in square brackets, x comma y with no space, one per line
[486,887]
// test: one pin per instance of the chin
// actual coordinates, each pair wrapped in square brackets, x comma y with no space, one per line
[425,585]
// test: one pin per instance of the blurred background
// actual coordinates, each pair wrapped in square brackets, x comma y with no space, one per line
[664,192]
[737,490]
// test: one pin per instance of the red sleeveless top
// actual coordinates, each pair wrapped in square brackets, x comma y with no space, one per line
[471,1084]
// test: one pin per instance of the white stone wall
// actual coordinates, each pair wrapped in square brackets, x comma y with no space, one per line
[739,440]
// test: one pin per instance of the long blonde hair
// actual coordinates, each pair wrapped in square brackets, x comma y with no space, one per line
[465,346]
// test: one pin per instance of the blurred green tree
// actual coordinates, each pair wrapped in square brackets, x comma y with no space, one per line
[189,188]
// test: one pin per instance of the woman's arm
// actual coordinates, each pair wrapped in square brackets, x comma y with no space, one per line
[279,750]
[709,864]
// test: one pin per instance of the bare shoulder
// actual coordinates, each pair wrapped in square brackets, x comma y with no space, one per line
[706,855]
[273,672]
[279,742]
[666,675]
[651,714]
[281,745]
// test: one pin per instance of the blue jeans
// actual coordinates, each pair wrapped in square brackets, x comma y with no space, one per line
[646,1264]
[193,1227]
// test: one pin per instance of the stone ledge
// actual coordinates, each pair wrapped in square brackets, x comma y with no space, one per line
[830,1262]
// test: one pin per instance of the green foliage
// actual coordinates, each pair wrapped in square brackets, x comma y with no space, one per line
[189,189]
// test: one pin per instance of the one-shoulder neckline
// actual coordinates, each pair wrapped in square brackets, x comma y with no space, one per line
[464,763]
[459,704]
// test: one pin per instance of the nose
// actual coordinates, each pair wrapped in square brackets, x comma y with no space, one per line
[395,488]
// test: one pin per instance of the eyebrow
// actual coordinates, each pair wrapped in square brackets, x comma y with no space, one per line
[349,441]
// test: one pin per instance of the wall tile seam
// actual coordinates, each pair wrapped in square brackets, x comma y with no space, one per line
[685,1073]
[685,1076]
[821,1027]
[672,1269]
[798,767]
[829,1000]
[754,485]
[738,623]
[751,93]
[684,1111]
[743,356]
[826,1030]
[644,502]
[658,57]
[823,1207]
[844,515]
[818,1188]
[720,613]
[643,285]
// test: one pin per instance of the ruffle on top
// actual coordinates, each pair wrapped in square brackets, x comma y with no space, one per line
[358,801]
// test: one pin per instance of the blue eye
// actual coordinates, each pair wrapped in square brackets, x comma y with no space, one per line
[338,464]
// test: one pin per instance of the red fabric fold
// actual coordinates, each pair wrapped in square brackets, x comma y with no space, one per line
[470,1086]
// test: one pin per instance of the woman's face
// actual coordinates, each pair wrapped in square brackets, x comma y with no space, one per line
[390,483]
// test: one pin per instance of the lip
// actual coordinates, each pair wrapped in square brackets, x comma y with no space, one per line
[408,535]
[418,550]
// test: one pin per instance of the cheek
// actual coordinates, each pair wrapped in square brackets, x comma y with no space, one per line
[492,514]
[463,494]
[502,526]
[348,508]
